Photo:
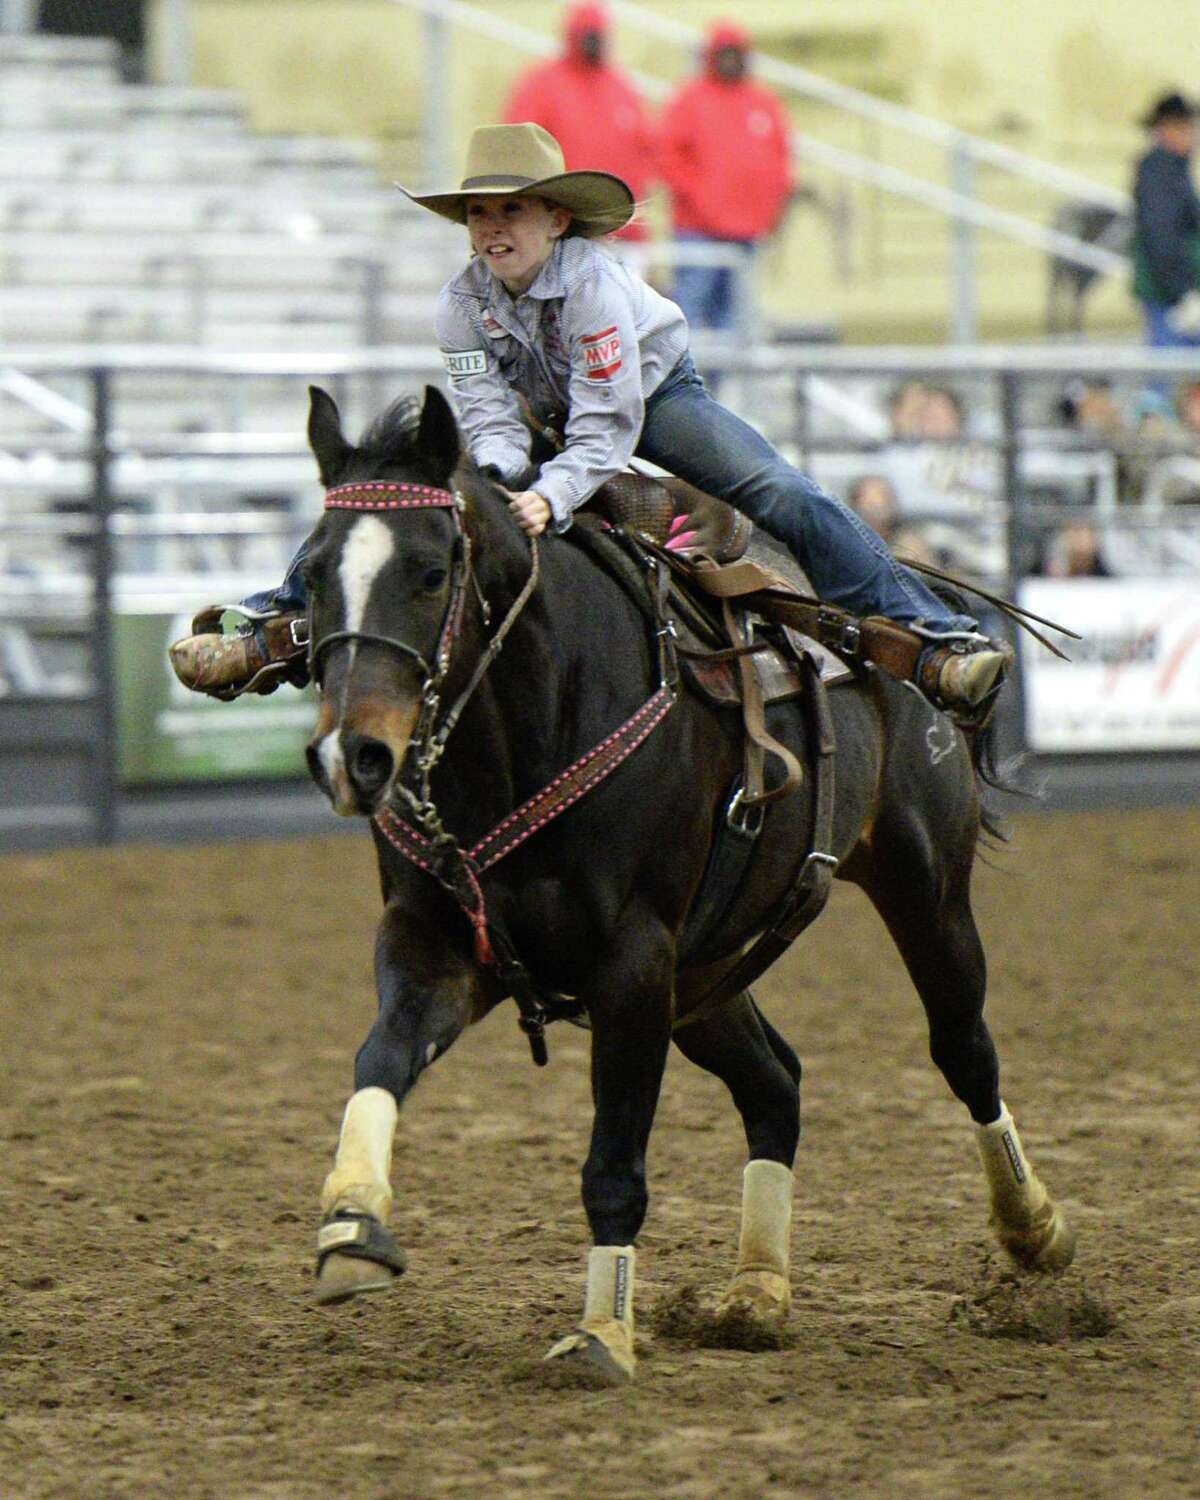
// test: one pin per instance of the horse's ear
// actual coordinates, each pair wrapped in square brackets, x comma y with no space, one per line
[325,436]
[437,437]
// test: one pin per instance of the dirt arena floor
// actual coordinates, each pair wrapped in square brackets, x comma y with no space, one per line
[174,1068]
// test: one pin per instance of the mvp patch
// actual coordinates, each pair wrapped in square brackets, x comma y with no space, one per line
[602,353]
[462,362]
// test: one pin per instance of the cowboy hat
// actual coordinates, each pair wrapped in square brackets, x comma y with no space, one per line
[512,160]
[1169,107]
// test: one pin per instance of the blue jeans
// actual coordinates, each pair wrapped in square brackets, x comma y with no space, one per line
[707,294]
[696,438]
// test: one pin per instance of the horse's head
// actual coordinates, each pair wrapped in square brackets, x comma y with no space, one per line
[386,574]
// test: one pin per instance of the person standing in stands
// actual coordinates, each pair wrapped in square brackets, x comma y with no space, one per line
[1166,278]
[594,112]
[727,161]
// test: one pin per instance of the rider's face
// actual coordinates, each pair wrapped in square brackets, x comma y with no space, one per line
[514,236]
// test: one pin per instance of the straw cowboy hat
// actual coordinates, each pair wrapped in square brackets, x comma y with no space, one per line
[508,160]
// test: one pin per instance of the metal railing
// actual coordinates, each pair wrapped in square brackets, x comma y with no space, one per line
[782,388]
[958,201]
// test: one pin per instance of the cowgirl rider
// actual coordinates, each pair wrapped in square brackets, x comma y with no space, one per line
[541,312]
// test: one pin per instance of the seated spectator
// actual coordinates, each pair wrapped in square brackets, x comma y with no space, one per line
[1075,552]
[1156,437]
[1088,407]
[873,499]
[1187,409]
[948,482]
[940,414]
[905,406]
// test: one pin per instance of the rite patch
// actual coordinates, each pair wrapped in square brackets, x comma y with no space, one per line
[463,362]
[602,353]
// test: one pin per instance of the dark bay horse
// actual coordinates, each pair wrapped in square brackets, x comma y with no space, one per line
[416,572]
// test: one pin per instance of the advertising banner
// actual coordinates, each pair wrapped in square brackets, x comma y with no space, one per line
[1133,681]
[166,733]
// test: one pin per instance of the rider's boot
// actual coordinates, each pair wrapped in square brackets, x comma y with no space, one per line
[268,648]
[964,674]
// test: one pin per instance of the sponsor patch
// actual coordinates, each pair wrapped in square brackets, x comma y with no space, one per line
[463,362]
[602,353]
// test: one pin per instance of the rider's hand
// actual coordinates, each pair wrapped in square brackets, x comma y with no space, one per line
[531,511]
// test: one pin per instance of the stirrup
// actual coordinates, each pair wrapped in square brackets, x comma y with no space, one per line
[964,677]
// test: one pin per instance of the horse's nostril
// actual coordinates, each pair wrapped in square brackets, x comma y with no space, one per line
[372,765]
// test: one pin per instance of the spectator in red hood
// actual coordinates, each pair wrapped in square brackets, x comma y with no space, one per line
[590,107]
[727,160]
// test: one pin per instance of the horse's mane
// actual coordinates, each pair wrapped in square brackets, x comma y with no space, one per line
[391,436]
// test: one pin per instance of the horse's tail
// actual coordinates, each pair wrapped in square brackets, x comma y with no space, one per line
[993,775]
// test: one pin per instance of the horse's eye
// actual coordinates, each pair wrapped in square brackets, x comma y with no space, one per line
[434,580]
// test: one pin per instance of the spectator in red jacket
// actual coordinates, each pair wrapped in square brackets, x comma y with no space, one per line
[590,107]
[727,160]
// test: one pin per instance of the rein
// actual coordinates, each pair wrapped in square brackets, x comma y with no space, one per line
[422,837]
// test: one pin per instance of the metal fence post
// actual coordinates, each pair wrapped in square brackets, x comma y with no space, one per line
[964,277]
[175,51]
[1018,522]
[104,684]
[18,16]
[437,121]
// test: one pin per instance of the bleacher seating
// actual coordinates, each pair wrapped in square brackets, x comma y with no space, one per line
[155,214]
[135,214]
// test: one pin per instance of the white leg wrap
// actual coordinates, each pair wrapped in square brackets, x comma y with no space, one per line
[761,1289]
[362,1169]
[1017,1193]
[1027,1223]
[765,1242]
[608,1311]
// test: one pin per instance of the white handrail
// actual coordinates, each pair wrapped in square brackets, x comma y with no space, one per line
[883,112]
[956,206]
[40,398]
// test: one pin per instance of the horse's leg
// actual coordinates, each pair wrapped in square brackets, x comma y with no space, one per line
[630,1008]
[740,1047]
[919,882]
[421,1011]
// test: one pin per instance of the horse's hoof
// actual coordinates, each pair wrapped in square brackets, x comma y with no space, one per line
[342,1277]
[1046,1243]
[762,1299]
[355,1254]
[591,1356]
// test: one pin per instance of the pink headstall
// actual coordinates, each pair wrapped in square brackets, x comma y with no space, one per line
[385,495]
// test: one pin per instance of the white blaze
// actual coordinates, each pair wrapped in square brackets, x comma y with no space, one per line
[366,549]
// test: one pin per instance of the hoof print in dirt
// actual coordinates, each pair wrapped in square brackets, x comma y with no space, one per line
[683,1317]
[1036,1311]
